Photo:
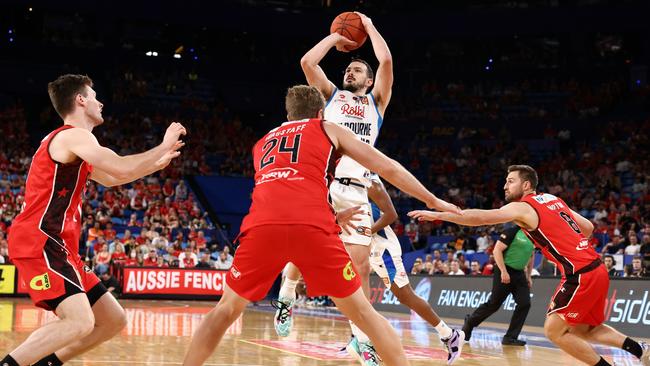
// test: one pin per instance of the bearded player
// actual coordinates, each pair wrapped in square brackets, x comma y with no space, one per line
[362,110]
[576,314]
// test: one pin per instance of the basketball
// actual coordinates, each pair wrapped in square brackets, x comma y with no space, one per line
[349,25]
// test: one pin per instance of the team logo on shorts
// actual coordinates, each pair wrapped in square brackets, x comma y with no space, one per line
[363,230]
[348,272]
[87,269]
[40,282]
[572,315]
[234,273]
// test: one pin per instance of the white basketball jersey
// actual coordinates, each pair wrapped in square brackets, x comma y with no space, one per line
[360,114]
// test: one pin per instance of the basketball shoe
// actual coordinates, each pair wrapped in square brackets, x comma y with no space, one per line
[454,345]
[283,320]
[364,352]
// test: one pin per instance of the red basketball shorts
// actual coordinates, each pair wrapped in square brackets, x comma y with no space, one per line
[581,299]
[265,250]
[56,276]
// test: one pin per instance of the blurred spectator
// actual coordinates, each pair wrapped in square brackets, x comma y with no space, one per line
[102,260]
[454,269]
[205,261]
[633,247]
[151,260]
[187,259]
[616,246]
[610,262]
[482,242]
[111,283]
[222,262]
[636,269]
[475,268]
[417,266]
[546,268]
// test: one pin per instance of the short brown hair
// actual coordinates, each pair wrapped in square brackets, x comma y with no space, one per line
[303,101]
[526,173]
[369,72]
[64,89]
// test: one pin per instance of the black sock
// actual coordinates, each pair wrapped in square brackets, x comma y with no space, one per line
[8,361]
[602,362]
[50,360]
[632,346]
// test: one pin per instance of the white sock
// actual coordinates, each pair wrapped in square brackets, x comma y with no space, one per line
[443,330]
[361,336]
[288,289]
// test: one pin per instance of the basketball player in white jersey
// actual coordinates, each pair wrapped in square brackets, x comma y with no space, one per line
[361,110]
[393,273]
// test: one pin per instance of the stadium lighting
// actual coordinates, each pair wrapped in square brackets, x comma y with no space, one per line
[30,8]
[148,53]
[154,53]
[177,55]
[490,60]
[487,68]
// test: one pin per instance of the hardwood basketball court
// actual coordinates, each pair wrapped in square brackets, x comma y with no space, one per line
[158,333]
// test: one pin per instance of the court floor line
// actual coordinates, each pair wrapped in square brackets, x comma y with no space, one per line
[281,350]
[93,362]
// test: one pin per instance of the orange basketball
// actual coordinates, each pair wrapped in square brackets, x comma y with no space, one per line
[349,25]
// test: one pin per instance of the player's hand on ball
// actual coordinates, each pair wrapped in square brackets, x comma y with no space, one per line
[345,218]
[342,42]
[365,20]
[424,215]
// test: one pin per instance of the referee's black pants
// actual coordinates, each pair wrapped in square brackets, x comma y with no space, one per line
[520,291]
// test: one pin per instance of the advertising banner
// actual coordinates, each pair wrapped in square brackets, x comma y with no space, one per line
[173,282]
[7,279]
[627,308]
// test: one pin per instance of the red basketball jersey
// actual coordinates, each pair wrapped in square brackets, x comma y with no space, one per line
[294,165]
[52,208]
[558,235]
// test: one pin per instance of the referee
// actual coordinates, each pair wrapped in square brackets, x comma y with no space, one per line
[513,256]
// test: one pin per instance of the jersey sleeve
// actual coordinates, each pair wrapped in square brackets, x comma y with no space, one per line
[508,235]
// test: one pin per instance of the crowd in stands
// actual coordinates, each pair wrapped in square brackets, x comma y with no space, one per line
[155,221]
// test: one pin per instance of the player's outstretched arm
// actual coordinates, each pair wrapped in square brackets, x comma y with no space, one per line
[377,193]
[521,213]
[347,143]
[309,62]
[110,168]
[383,83]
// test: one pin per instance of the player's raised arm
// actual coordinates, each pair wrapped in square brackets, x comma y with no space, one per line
[377,193]
[309,62]
[349,144]
[521,213]
[383,83]
[110,168]
[586,226]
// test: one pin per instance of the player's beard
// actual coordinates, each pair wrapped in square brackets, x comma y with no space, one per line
[514,196]
[353,87]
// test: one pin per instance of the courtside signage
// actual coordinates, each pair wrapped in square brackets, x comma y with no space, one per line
[167,281]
